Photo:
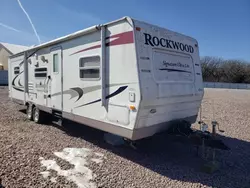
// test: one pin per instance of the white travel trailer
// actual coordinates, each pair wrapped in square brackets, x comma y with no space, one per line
[125,77]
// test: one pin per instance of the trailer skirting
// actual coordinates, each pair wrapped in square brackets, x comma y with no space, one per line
[135,134]
[131,134]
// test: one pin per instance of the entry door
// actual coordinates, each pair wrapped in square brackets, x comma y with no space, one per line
[56,78]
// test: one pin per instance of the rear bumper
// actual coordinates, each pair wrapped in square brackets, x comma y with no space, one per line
[151,130]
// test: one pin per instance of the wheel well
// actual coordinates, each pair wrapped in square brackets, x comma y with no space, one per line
[27,104]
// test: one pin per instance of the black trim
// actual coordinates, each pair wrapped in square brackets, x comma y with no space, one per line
[19,82]
[79,92]
[13,83]
[118,91]
[18,89]
[174,70]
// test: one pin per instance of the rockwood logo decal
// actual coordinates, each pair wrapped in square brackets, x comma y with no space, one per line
[179,64]
[155,41]
[171,67]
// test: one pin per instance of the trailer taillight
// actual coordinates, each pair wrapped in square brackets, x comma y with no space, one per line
[138,28]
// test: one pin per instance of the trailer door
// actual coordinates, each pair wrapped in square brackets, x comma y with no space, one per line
[56,78]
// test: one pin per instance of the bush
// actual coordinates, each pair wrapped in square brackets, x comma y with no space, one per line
[218,70]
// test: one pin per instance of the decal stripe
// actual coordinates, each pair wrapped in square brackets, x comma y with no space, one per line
[79,91]
[118,91]
[18,89]
[86,90]
[86,49]
[121,38]
[175,70]
[19,82]
[13,81]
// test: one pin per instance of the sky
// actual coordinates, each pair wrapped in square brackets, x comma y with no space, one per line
[222,27]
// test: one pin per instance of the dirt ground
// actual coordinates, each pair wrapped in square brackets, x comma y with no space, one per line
[33,155]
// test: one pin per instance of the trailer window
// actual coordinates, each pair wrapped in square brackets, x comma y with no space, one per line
[55,63]
[41,72]
[16,70]
[90,68]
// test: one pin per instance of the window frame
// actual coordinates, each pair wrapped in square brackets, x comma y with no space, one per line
[90,67]
[40,72]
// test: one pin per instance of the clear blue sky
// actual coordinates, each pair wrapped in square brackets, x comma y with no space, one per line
[222,27]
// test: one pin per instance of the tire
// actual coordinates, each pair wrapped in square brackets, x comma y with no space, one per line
[37,115]
[29,112]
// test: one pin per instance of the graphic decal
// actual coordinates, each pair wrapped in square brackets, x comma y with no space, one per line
[79,91]
[118,91]
[19,83]
[13,83]
[18,89]
[119,39]
[174,70]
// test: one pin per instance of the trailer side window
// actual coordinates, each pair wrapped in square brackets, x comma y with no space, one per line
[16,70]
[55,63]
[41,72]
[90,68]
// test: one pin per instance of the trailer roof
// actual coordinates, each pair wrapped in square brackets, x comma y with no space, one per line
[70,36]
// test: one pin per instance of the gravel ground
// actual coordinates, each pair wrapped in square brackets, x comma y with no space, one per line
[159,162]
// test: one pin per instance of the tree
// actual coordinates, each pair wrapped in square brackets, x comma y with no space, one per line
[218,70]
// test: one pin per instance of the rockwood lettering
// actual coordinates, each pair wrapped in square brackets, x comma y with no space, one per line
[155,41]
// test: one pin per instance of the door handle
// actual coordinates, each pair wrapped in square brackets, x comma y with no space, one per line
[46,81]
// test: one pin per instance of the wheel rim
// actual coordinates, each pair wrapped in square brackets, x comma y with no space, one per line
[36,115]
[29,112]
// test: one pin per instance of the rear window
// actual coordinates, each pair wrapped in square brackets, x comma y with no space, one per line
[170,66]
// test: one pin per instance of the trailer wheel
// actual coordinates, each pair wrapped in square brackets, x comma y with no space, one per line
[29,112]
[37,115]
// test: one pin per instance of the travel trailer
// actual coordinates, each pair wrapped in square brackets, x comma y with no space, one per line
[125,77]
